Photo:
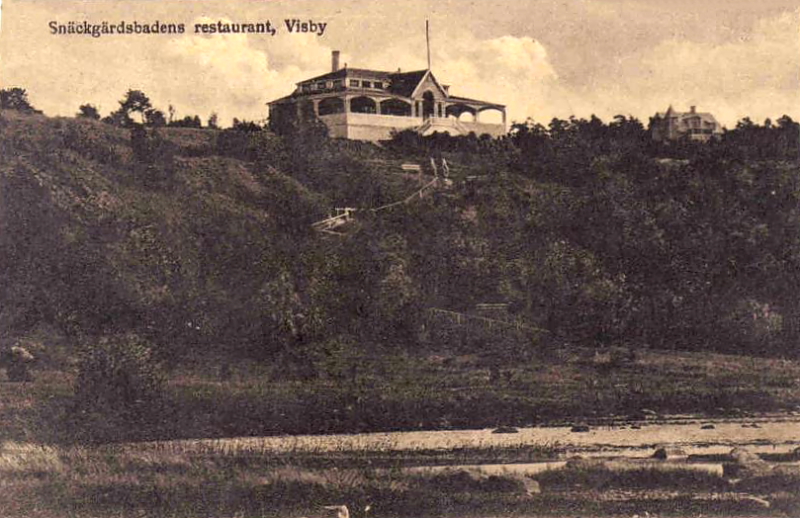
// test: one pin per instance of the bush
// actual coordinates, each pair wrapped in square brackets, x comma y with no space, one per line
[118,375]
[16,99]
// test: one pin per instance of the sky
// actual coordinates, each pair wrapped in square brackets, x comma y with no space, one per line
[541,58]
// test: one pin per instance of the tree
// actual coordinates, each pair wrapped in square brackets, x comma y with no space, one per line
[16,99]
[136,101]
[88,111]
[187,122]
[155,118]
[118,118]
[118,375]
[213,121]
[245,125]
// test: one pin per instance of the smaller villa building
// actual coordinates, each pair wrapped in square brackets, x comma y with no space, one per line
[673,125]
[364,104]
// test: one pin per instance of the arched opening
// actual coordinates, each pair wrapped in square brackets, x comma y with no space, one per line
[428,104]
[490,116]
[331,105]
[466,116]
[395,107]
[362,105]
[461,112]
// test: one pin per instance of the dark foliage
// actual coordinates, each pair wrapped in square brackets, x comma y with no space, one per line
[585,229]
[118,376]
[187,122]
[16,99]
[88,111]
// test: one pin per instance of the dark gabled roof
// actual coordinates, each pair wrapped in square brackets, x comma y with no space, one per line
[671,112]
[401,83]
[404,83]
[344,72]
[468,100]
[681,116]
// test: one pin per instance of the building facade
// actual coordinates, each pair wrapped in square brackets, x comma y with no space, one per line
[673,125]
[366,104]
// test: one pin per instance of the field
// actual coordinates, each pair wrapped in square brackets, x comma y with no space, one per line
[46,473]
[232,480]
[437,392]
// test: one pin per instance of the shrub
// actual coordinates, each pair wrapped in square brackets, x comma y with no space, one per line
[86,140]
[16,99]
[16,360]
[118,375]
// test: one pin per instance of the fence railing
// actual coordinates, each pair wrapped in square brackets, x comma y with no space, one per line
[491,324]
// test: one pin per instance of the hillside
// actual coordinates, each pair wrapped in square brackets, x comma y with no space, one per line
[96,240]
[188,257]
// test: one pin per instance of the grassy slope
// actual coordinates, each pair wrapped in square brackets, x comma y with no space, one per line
[86,169]
[88,172]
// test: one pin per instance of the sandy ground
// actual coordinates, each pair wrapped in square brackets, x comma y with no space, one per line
[774,434]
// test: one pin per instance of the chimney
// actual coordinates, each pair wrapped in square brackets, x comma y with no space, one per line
[334,60]
[693,109]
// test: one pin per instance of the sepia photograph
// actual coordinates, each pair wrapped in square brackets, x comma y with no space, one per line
[399,259]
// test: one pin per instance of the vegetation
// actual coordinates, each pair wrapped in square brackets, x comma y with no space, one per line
[226,398]
[168,283]
[45,482]
[88,111]
[16,99]
[117,376]
[200,243]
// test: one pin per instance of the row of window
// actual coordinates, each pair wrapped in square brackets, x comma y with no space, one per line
[339,83]
[360,83]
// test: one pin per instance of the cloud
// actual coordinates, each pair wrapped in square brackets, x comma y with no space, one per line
[222,73]
[511,70]
[233,75]
[541,60]
[515,71]
[756,75]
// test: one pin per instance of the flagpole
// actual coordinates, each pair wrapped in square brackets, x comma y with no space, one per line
[428,43]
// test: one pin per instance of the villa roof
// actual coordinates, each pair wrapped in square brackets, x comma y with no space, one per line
[704,116]
[344,72]
[401,84]
[404,83]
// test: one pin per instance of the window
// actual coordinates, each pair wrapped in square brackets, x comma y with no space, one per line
[355,82]
[338,83]
[377,84]
[366,84]
[321,85]
[306,88]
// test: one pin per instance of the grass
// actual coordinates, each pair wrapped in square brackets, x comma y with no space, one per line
[632,477]
[44,482]
[413,393]
[424,392]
